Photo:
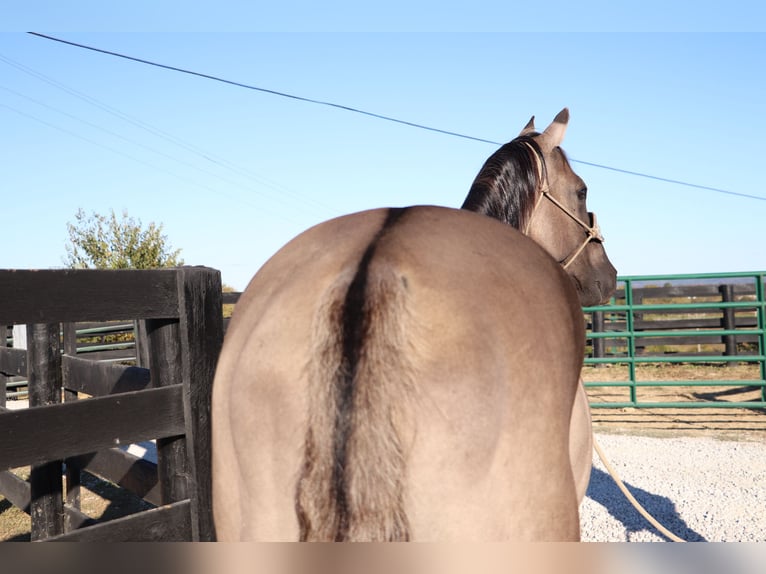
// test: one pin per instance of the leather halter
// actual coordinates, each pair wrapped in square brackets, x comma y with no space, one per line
[591,229]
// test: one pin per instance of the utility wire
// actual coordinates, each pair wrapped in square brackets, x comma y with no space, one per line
[668,180]
[264,90]
[376,115]
[141,161]
[155,131]
[183,162]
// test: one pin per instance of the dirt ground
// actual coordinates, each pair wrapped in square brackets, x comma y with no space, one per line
[726,423]
[99,499]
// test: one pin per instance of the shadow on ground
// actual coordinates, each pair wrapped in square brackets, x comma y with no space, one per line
[604,491]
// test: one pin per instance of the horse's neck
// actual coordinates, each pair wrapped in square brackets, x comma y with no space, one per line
[492,199]
[506,184]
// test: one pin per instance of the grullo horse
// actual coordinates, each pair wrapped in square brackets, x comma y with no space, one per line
[413,373]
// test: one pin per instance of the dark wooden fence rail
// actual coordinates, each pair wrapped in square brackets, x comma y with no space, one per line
[679,320]
[181,326]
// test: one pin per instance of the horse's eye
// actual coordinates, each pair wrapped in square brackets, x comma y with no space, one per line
[582,194]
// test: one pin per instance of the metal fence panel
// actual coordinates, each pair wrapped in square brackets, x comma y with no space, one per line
[660,319]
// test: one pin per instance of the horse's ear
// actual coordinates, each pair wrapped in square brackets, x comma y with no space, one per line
[554,133]
[529,128]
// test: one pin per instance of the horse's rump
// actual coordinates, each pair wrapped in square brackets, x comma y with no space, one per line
[442,358]
[360,380]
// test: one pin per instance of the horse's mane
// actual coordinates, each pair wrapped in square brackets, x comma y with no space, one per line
[506,186]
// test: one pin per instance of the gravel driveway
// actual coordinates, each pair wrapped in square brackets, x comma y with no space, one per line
[700,488]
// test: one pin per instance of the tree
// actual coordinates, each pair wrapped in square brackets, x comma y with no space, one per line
[106,242]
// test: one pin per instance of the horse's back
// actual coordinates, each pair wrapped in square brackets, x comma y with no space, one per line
[490,340]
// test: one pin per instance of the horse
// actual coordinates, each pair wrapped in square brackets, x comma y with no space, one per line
[412,373]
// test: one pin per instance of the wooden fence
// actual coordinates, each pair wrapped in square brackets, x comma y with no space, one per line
[181,333]
[689,328]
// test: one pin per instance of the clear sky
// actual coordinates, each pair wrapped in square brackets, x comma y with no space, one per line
[233,173]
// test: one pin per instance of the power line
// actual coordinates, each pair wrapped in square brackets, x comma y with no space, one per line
[264,90]
[155,131]
[668,180]
[376,115]
[141,161]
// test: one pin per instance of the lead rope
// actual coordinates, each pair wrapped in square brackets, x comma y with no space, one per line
[631,498]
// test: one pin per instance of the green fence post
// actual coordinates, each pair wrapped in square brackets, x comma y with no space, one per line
[761,301]
[629,327]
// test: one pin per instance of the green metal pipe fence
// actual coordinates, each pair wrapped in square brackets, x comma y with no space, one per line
[680,311]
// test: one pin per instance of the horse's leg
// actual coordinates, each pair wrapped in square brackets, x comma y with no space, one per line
[581,442]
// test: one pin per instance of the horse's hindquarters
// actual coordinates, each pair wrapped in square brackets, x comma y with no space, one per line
[496,380]
[486,333]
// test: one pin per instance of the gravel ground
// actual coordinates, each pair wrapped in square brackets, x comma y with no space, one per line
[699,488]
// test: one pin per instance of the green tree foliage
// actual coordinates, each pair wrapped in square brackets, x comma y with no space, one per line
[107,242]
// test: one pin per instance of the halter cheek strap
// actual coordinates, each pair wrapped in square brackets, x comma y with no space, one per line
[592,229]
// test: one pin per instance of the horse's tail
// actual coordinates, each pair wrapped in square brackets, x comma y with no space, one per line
[352,485]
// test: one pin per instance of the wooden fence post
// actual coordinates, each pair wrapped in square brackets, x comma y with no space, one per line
[728,322]
[73,474]
[186,350]
[201,338]
[3,389]
[142,343]
[638,299]
[165,369]
[5,330]
[45,382]
[597,326]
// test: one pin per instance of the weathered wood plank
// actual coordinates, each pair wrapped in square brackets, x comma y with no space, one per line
[165,365]
[74,518]
[37,435]
[47,505]
[710,290]
[15,489]
[170,523]
[48,296]
[678,324]
[230,297]
[201,338]
[124,469]
[13,362]
[44,372]
[72,475]
[99,379]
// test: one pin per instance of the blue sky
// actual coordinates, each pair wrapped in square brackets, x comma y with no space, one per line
[233,174]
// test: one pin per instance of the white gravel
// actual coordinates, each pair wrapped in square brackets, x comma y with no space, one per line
[700,488]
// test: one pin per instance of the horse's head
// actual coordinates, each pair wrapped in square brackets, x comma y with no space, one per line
[529,184]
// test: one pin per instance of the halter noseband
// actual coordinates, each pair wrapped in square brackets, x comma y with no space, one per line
[592,230]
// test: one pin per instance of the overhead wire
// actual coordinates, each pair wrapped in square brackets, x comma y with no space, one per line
[157,132]
[136,159]
[148,148]
[264,90]
[374,115]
